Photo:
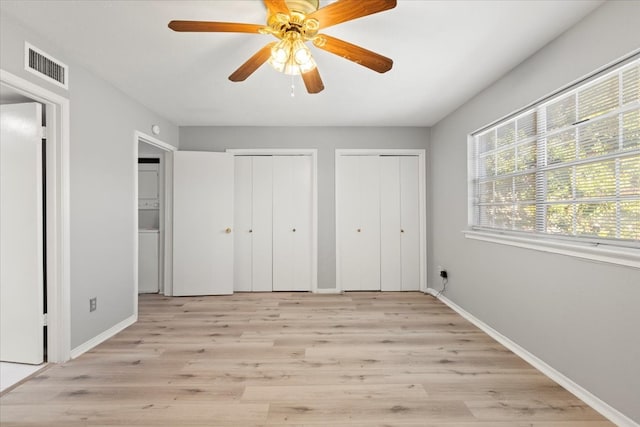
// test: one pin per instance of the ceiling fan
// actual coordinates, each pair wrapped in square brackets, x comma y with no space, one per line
[293,23]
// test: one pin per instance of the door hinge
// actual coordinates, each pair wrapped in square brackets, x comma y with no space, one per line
[45,319]
[44,132]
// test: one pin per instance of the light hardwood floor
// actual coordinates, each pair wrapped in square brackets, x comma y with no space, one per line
[296,359]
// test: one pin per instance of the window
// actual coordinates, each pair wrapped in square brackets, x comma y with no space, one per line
[567,167]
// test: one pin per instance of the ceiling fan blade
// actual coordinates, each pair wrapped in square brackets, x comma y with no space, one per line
[347,10]
[214,27]
[312,81]
[252,64]
[277,6]
[357,54]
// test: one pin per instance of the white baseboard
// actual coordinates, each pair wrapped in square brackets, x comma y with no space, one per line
[83,348]
[596,403]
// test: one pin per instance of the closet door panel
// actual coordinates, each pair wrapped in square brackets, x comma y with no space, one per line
[369,244]
[348,207]
[410,212]
[282,223]
[262,223]
[301,223]
[390,224]
[242,220]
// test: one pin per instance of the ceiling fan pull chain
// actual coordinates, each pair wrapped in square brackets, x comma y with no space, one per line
[293,87]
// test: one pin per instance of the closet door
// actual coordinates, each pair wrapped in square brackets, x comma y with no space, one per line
[291,223]
[358,196]
[400,224]
[348,221]
[390,224]
[262,224]
[253,219]
[410,222]
[242,212]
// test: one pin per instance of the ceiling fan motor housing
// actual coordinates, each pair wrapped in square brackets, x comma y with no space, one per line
[285,25]
[303,6]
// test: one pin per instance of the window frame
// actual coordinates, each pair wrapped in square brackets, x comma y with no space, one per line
[608,250]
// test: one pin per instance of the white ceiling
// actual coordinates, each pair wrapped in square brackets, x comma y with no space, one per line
[444,53]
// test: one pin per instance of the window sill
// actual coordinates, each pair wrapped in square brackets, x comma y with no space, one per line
[628,257]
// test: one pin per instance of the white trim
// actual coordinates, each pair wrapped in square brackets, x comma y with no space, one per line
[167,288]
[153,141]
[272,151]
[313,152]
[58,226]
[628,257]
[98,339]
[381,152]
[587,397]
[422,184]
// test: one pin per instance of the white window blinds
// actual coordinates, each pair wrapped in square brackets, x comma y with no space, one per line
[567,167]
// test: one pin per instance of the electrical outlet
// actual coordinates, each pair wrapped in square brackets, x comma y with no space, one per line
[93,304]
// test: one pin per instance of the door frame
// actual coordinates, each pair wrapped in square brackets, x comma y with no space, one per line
[57,219]
[422,185]
[167,286]
[313,152]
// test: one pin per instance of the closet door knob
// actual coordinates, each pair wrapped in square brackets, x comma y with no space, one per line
[359,230]
[294,230]
[228,230]
[250,231]
[402,231]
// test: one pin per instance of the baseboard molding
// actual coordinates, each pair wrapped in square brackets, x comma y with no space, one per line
[596,403]
[83,348]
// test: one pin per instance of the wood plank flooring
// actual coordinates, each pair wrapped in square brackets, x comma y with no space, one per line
[296,359]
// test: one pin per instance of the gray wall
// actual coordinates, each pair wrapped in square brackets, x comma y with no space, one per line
[326,140]
[580,317]
[103,121]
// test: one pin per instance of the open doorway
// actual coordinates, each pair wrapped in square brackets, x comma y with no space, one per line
[23,340]
[35,233]
[153,169]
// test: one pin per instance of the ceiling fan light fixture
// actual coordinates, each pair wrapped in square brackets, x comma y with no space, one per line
[291,55]
[281,51]
[301,53]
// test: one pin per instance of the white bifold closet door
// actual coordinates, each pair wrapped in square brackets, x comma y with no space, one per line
[292,202]
[358,198]
[253,259]
[399,224]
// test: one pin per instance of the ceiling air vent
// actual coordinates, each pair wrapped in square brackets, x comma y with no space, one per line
[45,66]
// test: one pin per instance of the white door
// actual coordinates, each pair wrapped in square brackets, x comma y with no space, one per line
[399,224]
[262,224]
[410,222]
[358,196]
[242,214]
[253,222]
[202,223]
[390,224]
[21,230]
[292,200]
